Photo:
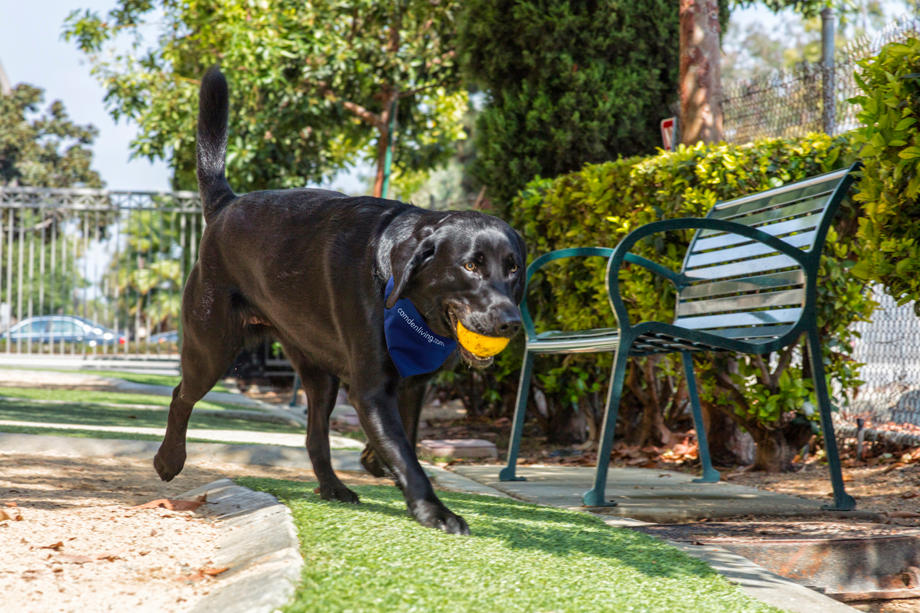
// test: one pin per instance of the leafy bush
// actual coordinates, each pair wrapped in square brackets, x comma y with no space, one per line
[890,185]
[599,205]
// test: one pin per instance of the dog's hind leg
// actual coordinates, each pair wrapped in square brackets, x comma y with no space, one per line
[321,389]
[212,336]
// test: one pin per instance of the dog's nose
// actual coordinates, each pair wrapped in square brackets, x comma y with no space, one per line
[508,324]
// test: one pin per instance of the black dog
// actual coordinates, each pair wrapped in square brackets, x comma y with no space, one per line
[311,267]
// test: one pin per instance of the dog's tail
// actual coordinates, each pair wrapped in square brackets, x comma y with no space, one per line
[212,142]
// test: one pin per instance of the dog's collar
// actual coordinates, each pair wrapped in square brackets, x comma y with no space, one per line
[413,346]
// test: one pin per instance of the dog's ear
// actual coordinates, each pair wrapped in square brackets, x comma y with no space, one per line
[405,257]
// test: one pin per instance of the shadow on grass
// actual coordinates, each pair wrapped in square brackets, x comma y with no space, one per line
[518,526]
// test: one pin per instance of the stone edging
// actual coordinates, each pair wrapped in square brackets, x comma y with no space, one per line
[907,439]
[259,547]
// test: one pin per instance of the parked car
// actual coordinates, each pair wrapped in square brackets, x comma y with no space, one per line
[161,338]
[64,329]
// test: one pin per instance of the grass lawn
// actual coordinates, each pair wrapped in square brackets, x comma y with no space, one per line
[521,557]
[81,409]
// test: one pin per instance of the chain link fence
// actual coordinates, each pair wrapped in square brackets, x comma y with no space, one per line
[789,102]
[889,350]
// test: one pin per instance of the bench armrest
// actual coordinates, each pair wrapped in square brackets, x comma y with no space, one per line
[559,254]
[545,259]
[621,252]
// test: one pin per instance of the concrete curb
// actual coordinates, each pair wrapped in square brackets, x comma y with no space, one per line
[259,546]
[242,454]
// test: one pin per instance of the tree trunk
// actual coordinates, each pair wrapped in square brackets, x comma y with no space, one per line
[700,81]
[722,434]
[382,138]
[776,448]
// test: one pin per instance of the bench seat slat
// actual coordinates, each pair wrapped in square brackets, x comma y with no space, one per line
[731,209]
[737,269]
[747,284]
[739,303]
[834,177]
[581,341]
[744,252]
[753,332]
[733,320]
[809,207]
[722,240]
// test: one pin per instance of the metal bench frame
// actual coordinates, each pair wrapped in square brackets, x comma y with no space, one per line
[748,284]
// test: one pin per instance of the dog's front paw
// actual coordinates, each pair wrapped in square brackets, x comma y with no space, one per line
[436,515]
[168,462]
[337,491]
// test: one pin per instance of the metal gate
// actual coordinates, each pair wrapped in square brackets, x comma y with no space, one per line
[94,277]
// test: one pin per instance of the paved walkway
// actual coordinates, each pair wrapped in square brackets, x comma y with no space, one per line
[659,496]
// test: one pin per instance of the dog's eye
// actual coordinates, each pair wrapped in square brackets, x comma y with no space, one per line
[513,269]
[470,266]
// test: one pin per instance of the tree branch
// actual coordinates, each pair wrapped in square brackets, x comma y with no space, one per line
[359,111]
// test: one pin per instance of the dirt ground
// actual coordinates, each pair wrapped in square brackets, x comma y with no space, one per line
[73,538]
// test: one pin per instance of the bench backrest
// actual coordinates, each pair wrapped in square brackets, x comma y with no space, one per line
[746,290]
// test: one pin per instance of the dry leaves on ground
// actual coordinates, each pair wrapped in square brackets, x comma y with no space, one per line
[105,534]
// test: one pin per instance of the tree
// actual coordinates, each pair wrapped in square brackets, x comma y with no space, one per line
[43,149]
[759,49]
[566,83]
[314,84]
[700,82]
[148,270]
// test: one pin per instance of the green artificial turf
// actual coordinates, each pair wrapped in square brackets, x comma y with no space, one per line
[85,413]
[108,397]
[104,434]
[147,379]
[520,557]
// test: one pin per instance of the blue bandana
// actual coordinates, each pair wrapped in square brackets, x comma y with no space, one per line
[413,346]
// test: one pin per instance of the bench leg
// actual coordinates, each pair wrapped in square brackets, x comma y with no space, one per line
[517,426]
[842,500]
[710,474]
[293,402]
[595,496]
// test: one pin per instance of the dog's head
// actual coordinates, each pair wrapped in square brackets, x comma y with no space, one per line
[463,266]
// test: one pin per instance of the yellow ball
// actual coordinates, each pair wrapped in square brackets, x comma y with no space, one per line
[479,345]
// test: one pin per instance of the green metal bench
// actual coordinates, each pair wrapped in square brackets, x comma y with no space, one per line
[747,285]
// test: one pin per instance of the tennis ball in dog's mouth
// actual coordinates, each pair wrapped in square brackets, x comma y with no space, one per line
[480,345]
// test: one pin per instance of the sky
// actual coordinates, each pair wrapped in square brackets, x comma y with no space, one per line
[32,51]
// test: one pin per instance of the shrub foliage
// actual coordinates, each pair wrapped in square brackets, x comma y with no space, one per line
[890,187]
[566,83]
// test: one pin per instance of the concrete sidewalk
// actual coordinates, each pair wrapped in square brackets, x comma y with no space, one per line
[658,496]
